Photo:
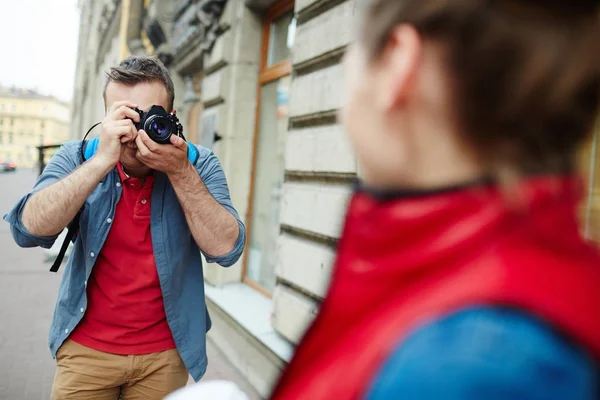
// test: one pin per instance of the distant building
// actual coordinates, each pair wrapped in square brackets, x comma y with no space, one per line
[260,83]
[27,120]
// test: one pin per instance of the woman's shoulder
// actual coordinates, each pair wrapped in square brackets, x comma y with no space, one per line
[486,352]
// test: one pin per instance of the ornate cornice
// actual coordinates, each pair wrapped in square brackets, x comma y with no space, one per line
[197,25]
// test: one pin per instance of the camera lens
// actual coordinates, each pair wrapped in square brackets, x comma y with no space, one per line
[159,128]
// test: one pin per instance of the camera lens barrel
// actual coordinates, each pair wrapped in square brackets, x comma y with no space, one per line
[158,124]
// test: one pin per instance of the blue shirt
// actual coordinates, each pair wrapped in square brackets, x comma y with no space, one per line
[486,353]
[177,255]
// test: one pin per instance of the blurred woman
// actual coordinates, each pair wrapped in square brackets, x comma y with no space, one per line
[461,273]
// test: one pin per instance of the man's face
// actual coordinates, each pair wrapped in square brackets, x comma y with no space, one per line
[145,95]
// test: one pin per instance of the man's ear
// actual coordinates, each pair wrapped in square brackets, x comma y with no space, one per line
[398,65]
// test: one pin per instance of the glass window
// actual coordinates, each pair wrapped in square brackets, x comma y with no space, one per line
[12,122]
[10,138]
[12,107]
[268,182]
[591,205]
[269,148]
[1,107]
[281,38]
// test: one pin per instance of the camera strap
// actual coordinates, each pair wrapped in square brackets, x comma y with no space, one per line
[72,229]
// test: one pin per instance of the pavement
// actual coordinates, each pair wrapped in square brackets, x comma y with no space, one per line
[28,294]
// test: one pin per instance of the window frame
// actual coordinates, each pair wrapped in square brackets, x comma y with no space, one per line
[591,181]
[266,75]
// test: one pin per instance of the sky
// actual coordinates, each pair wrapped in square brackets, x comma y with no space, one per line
[38,45]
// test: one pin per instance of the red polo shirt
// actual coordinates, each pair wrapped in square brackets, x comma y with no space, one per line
[125,313]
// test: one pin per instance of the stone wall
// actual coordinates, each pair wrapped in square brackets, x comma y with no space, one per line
[320,166]
[229,96]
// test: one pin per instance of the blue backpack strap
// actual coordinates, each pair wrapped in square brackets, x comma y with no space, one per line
[91,146]
[192,153]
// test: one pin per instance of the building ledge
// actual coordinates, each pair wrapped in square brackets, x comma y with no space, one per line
[252,311]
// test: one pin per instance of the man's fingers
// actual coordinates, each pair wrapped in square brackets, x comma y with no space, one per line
[125,112]
[123,133]
[142,148]
[178,142]
[123,122]
[130,136]
[149,143]
[134,132]
[118,104]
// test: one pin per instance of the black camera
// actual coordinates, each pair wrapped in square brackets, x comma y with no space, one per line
[159,124]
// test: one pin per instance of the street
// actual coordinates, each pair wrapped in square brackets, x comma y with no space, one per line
[28,292]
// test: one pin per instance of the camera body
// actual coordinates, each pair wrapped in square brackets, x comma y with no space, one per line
[159,124]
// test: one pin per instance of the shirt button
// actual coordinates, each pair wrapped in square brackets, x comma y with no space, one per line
[92,254]
[118,184]
[66,331]
[108,220]
[144,201]
[81,309]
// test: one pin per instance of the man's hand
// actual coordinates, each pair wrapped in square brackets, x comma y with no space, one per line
[168,158]
[116,130]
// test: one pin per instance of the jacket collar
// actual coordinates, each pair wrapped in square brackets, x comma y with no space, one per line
[422,228]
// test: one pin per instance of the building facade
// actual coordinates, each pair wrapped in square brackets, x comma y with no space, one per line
[27,120]
[260,83]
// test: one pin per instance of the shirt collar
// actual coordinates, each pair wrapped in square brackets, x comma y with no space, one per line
[125,178]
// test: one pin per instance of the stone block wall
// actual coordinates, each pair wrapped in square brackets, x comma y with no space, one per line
[320,166]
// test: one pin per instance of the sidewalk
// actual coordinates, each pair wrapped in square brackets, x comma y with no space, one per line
[219,368]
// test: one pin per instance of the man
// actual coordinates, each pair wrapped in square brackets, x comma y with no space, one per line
[131,318]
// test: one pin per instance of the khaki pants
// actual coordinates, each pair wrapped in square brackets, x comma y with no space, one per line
[83,373]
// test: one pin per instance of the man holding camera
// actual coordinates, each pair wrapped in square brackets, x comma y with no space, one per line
[131,319]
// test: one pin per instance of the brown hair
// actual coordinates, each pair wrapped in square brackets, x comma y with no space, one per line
[141,69]
[525,74]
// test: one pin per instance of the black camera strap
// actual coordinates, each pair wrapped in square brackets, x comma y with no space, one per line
[72,229]
[73,226]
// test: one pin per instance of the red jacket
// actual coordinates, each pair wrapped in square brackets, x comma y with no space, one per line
[405,261]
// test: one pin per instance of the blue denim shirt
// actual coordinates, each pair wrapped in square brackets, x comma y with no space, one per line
[176,253]
[486,353]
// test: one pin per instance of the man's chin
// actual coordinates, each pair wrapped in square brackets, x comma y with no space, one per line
[132,165]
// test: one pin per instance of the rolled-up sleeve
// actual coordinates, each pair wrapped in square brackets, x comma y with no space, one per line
[61,165]
[212,174]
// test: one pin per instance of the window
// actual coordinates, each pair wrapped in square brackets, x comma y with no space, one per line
[10,138]
[591,206]
[12,122]
[1,107]
[12,108]
[41,139]
[269,146]
[42,124]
